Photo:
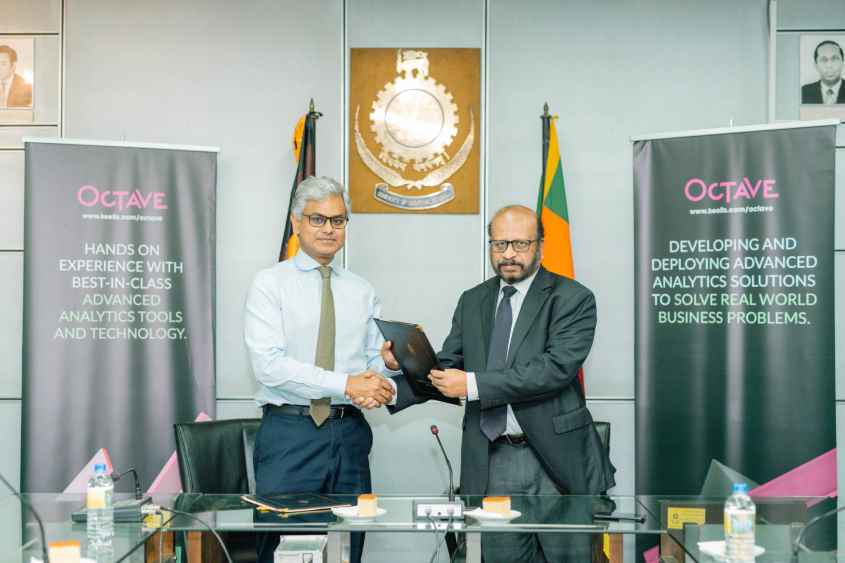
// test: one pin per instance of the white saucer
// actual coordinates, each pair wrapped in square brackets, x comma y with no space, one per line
[486,518]
[350,513]
[717,549]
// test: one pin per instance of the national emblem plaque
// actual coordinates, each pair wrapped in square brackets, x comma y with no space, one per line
[414,130]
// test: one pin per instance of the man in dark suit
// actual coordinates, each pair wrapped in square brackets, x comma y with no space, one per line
[15,92]
[516,345]
[828,89]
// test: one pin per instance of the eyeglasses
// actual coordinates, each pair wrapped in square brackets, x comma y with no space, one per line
[500,246]
[836,59]
[317,220]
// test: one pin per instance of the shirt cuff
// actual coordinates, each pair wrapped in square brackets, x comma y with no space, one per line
[392,401]
[335,384]
[472,387]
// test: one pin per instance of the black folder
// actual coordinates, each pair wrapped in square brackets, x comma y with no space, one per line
[416,357]
[295,504]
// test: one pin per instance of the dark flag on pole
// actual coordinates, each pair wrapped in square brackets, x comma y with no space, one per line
[305,151]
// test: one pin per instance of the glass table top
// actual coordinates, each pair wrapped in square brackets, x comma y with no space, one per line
[684,520]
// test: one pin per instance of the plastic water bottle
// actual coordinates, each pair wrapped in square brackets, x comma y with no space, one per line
[740,515]
[100,526]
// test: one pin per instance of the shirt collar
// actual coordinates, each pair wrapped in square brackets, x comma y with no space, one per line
[521,286]
[305,263]
[835,88]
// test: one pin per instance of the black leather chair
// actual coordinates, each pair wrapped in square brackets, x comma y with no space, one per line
[603,429]
[249,431]
[215,457]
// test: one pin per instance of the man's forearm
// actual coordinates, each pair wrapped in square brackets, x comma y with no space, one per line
[305,380]
[529,382]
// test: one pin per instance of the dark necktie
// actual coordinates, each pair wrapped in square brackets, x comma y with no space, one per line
[324,357]
[493,421]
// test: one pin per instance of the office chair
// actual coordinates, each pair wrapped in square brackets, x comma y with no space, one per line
[215,457]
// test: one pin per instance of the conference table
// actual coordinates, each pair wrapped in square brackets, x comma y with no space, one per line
[676,523]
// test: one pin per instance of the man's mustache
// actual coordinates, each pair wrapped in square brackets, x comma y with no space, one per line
[509,263]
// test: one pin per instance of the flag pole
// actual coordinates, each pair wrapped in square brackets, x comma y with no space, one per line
[545,120]
[308,162]
[306,166]
[546,117]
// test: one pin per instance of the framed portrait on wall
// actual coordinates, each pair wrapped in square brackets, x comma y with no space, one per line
[821,68]
[414,130]
[17,77]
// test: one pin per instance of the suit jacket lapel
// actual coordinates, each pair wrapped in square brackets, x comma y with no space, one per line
[488,312]
[534,300]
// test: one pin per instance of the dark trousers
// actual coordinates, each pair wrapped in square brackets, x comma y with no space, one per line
[516,470]
[292,455]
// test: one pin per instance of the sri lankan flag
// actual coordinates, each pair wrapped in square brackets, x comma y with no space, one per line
[551,208]
[553,212]
[305,152]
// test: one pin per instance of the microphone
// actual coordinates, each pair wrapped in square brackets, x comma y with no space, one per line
[798,545]
[451,509]
[116,477]
[44,551]
[128,510]
[436,432]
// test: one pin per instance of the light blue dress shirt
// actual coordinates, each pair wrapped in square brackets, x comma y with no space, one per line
[280,330]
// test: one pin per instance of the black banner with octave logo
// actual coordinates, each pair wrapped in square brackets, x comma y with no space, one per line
[734,304]
[118,305]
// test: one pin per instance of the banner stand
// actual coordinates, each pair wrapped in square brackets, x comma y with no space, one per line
[119,274]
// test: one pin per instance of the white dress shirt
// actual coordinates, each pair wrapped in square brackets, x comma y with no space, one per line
[5,87]
[281,321]
[512,427]
[830,98]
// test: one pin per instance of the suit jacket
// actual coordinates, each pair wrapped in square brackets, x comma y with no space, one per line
[20,93]
[812,93]
[550,340]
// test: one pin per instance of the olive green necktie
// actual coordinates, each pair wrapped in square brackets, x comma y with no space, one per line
[324,358]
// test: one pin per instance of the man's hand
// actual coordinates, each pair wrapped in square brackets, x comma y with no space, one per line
[450,382]
[388,357]
[369,390]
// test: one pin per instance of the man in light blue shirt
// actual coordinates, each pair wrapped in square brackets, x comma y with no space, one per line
[314,347]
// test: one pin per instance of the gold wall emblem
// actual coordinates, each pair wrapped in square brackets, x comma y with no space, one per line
[414,141]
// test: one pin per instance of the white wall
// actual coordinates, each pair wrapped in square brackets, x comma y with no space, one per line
[794,18]
[42,17]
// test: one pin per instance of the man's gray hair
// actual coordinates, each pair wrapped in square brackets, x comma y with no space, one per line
[313,188]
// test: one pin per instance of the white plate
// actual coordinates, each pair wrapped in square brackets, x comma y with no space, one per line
[81,560]
[351,513]
[717,549]
[486,518]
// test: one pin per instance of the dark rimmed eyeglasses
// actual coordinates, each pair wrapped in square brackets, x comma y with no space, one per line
[317,220]
[519,245]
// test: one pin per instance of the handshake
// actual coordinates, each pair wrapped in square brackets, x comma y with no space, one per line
[368,389]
